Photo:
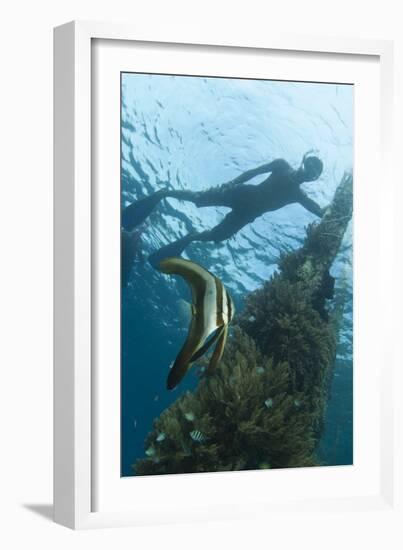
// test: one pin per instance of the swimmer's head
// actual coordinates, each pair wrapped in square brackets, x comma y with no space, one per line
[311,168]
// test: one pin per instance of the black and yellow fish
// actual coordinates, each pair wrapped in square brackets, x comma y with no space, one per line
[212,311]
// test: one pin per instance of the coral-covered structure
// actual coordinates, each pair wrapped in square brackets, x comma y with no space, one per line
[264,405]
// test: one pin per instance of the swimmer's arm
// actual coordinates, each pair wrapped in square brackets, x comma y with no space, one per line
[310,205]
[263,169]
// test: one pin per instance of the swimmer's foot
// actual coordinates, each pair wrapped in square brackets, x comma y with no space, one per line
[135,214]
[172,249]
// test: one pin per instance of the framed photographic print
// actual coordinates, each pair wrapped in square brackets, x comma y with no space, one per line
[218,234]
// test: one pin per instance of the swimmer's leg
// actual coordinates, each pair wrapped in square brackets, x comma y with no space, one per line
[138,211]
[215,196]
[230,225]
[221,232]
[172,249]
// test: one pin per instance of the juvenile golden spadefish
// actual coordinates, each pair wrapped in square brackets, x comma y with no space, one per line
[212,311]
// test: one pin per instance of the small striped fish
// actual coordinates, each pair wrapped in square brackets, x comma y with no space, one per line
[197,436]
[212,311]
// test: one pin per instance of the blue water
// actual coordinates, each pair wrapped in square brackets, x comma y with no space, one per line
[193,133]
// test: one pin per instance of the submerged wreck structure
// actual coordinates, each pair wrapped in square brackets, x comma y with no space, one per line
[264,405]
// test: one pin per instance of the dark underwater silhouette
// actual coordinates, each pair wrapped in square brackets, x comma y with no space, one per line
[247,202]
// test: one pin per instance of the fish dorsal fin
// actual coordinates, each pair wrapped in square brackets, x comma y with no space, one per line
[199,280]
[208,324]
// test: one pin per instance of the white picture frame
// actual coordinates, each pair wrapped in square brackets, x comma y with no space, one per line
[76,392]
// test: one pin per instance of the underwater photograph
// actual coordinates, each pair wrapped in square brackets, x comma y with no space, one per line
[236,274]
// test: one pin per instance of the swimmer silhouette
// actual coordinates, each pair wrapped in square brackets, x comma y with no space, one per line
[247,202]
